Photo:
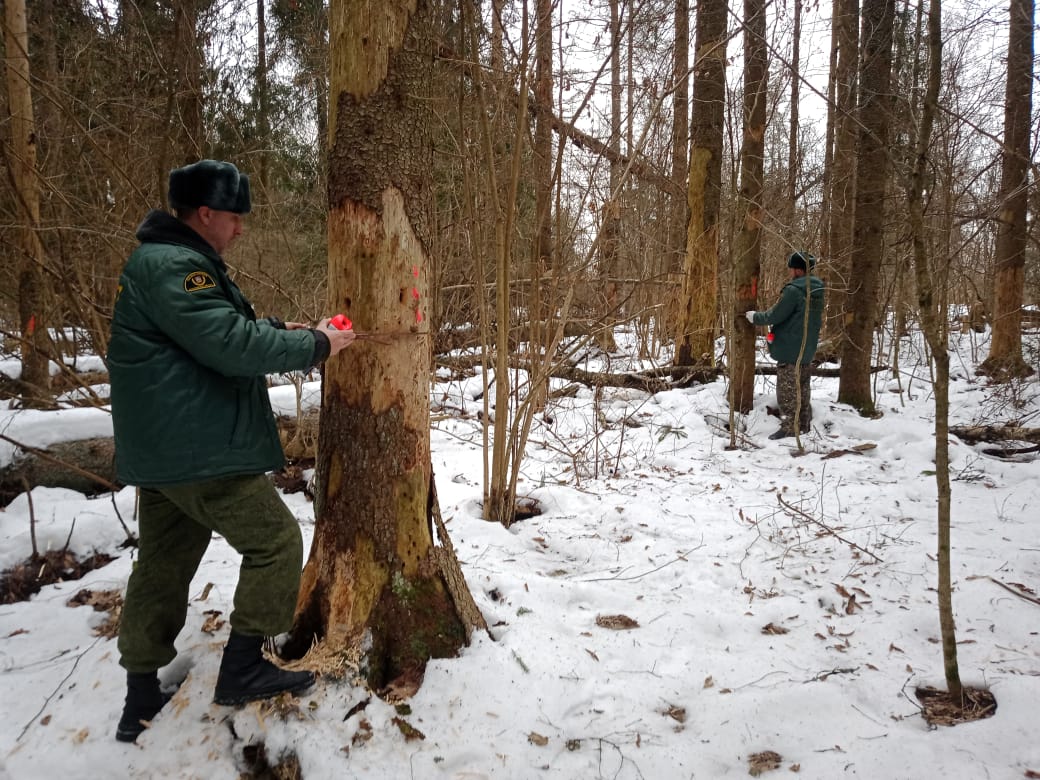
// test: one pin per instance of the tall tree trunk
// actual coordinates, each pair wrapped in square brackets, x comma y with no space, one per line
[263,121]
[610,214]
[868,240]
[1005,352]
[747,250]
[793,150]
[680,215]
[372,571]
[186,87]
[933,323]
[21,162]
[695,341]
[542,153]
[841,193]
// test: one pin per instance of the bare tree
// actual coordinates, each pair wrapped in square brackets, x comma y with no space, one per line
[747,250]
[542,260]
[695,338]
[1005,356]
[21,162]
[680,142]
[840,194]
[868,243]
[610,213]
[260,92]
[933,323]
[185,83]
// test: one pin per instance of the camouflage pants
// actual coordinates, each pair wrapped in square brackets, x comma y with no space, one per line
[176,524]
[787,396]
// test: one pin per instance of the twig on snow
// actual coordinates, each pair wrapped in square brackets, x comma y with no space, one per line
[825,527]
[1008,588]
[680,557]
[51,695]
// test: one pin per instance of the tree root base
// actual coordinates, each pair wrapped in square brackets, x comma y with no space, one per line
[940,709]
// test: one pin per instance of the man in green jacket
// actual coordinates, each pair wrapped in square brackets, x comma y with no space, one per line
[795,323]
[195,431]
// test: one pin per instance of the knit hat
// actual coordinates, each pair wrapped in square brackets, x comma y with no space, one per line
[800,259]
[211,183]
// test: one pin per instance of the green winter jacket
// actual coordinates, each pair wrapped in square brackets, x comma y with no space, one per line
[187,359]
[787,320]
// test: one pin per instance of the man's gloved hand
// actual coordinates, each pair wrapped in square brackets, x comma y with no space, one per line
[750,316]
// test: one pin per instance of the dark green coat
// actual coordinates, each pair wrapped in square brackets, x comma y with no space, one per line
[187,359]
[787,319]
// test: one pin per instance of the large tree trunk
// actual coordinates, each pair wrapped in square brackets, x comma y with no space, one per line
[538,298]
[186,65]
[842,183]
[793,147]
[1005,353]
[748,246]
[695,340]
[21,162]
[373,575]
[260,91]
[679,218]
[868,241]
[610,212]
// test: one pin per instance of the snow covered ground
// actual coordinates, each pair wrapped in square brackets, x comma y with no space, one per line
[780,603]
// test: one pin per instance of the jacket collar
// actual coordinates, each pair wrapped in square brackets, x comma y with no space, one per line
[159,227]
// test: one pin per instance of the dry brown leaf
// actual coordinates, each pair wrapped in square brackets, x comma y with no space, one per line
[763,762]
[213,622]
[537,739]
[773,628]
[363,733]
[616,622]
[677,714]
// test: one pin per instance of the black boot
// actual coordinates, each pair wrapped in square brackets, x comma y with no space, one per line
[143,702]
[245,675]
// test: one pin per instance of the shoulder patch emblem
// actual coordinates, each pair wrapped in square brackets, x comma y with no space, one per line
[198,280]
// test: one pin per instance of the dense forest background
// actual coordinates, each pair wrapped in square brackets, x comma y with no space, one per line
[524,179]
[644,162]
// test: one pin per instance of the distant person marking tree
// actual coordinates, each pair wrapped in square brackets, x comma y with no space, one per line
[195,431]
[794,342]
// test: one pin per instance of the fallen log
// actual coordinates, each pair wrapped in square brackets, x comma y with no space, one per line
[88,465]
[973,434]
[85,465]
[653,380]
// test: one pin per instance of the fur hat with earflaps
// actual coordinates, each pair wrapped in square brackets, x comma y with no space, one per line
[801,260]
[212,183]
